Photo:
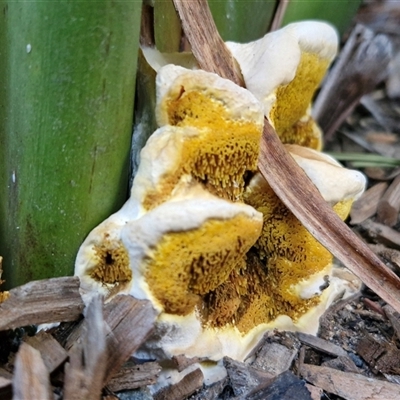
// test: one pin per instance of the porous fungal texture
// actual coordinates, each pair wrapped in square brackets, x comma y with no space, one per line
[204,151]
[210,134]
[292,267]
[283,70]
[203,236]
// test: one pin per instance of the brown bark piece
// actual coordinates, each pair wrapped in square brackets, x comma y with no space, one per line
[53,354]
[391,256]
[133,376]
[182,362]
[394,318]
[348,385]
[130,322]
[75,384]
[5,374]
[86,369]
[244,378]
[38,302]
[4,382]
[276,358]
[31,378]
[184,388]
[315,392]
[211,392]
[321,344]
[381,356]
[389,205]
[366,206]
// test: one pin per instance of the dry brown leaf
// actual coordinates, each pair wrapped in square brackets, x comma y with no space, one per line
[280,170]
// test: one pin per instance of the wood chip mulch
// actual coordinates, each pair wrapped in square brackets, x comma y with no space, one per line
[355,356]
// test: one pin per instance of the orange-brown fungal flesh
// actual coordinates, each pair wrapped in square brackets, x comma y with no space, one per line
[112,264]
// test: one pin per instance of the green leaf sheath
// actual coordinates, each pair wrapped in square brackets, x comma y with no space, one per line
[67,83]
[337,12]
[242,21]
[167,26]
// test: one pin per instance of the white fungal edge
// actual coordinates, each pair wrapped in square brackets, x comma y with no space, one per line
[334,182]
[86,258]
[239,102]
[272,61]
[160,157]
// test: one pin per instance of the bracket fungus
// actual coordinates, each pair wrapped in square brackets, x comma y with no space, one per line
[206,147]
[210,133]
[283,70]
[203,236]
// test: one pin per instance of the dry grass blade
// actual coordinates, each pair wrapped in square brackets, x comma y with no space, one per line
[287,179]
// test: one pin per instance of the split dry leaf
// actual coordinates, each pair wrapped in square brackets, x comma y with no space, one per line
[382,234]
[183,389]
[365,207]
[389,205]
[280,170]
[362,65]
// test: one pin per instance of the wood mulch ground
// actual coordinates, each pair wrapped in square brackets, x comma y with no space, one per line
[357,352]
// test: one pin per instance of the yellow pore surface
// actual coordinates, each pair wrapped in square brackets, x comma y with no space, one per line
[219,156]
[112,264]
[289,113]
[285,254]
[184,266]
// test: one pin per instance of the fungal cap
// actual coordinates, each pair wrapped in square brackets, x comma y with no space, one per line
[184,248]
[210,134]
[102,262]
[283,69]
[218,95]
[335,183]
[177,335]
[299,267]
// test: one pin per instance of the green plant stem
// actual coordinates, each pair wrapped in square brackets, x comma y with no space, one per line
[67,82]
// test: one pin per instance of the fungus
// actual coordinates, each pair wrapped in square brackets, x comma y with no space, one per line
[294,268]
[219,271]
[208,144]
[102,262]
[283,69]
[3,295]
[285,282]
[183,249]
[210,133]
